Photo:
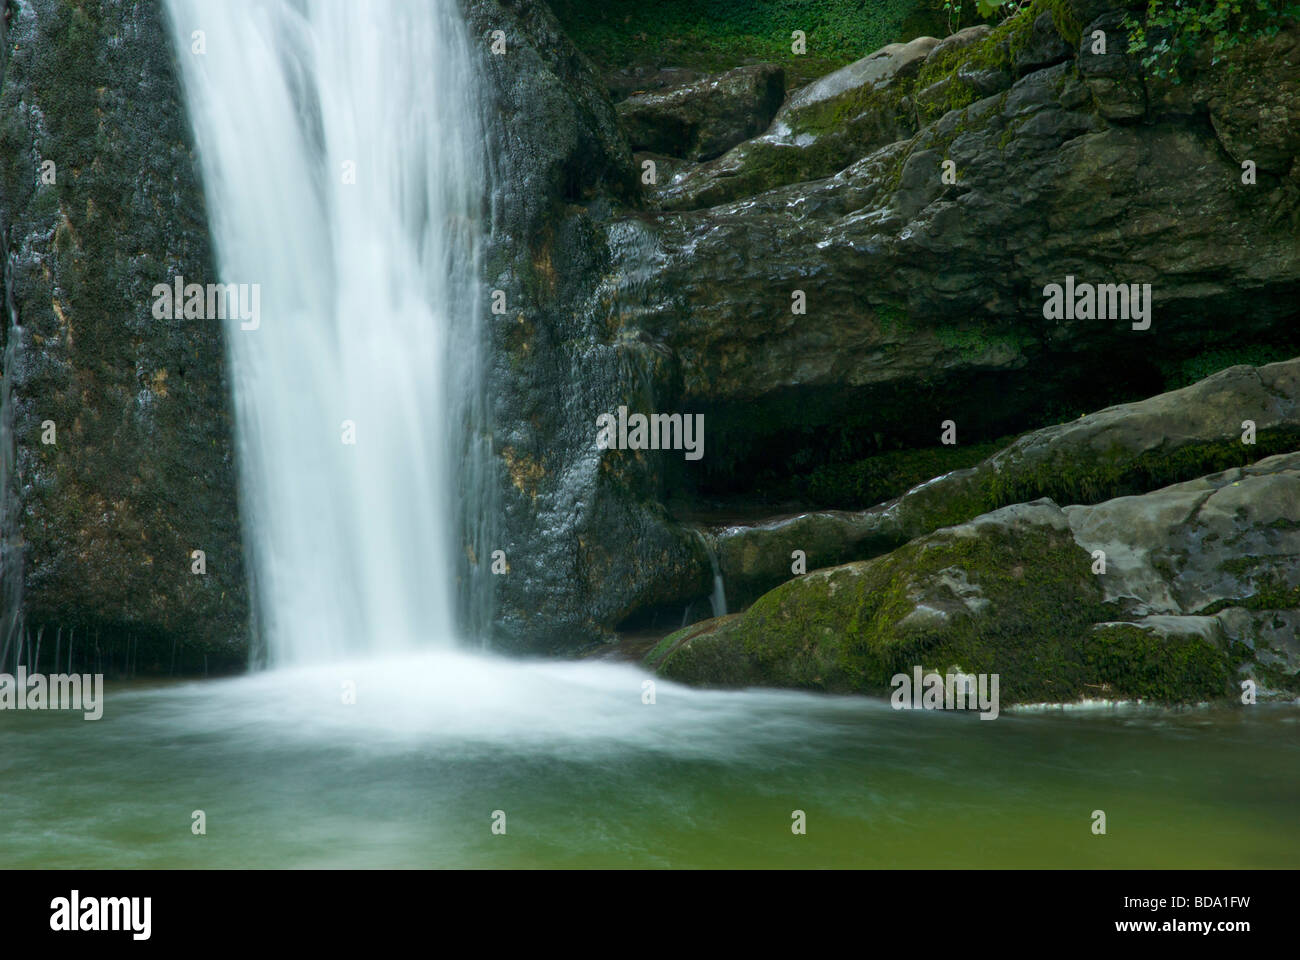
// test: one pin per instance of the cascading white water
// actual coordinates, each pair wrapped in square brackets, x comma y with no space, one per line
[341,150]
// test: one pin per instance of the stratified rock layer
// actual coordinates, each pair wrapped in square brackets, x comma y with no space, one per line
[1160,596]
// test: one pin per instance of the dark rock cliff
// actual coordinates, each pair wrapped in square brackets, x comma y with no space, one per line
[925,298]
[101,523]
[585,535]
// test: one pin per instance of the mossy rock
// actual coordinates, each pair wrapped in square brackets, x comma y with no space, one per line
[1132,662]
[1011,594]
[1012,597]
[822,128]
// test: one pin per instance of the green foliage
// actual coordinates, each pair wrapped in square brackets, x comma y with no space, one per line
[1174,30]
[1004,8]
[719,34]
[952,9]
[1184,372]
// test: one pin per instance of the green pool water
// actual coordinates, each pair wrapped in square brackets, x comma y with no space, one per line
[589,775]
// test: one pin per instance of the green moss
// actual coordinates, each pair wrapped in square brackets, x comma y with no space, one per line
[1239,566]
[1133,662]
[972,344]
[1183,372]
[838,113]
[879,478]
[990,53]
[996,52]
[1273,675]
[1074,477]
[1020,28]
[846,629]
[1082,477]
[1067,25]
[893,179]
[956,95]
[842,129]
[893,317]
[1271,593]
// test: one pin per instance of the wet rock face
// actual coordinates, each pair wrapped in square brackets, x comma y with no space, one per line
[585,537]
[702,119]
[140,472]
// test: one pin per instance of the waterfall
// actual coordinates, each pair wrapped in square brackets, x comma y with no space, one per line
[340,145]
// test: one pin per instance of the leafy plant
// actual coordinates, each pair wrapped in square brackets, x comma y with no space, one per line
[952,9]
[1173,30]
[1003,8]
[713,35]
[1188,371]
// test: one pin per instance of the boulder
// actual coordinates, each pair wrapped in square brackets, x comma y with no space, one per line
[823,127]
[960,40]
[702,119]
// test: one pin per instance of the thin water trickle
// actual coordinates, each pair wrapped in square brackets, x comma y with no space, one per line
[718,598]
